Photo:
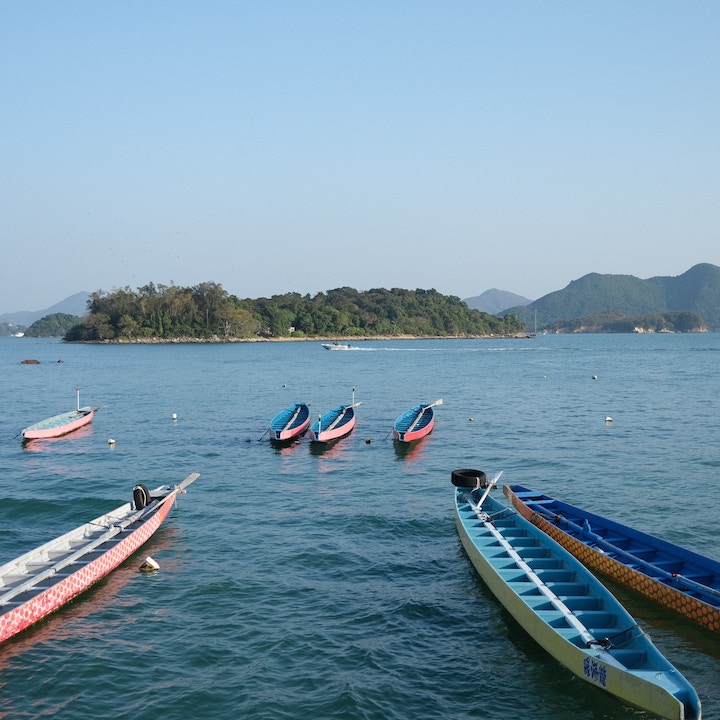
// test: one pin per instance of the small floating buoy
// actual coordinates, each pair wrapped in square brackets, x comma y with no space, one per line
[471,419]
[174,416]
[608,419]
[111,441]
[594,377]
[149,565]
[367,441]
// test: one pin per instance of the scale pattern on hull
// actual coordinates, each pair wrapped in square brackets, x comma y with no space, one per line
[695,610]
[54,597]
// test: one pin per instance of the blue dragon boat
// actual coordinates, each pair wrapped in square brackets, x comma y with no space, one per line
[671,576]
[564,607]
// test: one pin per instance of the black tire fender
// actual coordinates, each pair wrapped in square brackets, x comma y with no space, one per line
[141,496]
[469,478]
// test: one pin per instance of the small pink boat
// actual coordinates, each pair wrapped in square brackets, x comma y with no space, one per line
[335,424]
[415,423]
[290,423]
[62,424]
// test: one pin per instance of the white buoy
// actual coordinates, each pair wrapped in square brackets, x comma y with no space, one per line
[149,565]
[608,419]
[594,377]
[111,441]
[174,416]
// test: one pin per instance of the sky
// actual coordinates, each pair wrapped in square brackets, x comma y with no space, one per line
[278,146]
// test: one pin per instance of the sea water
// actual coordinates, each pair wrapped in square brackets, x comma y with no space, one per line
[302,583]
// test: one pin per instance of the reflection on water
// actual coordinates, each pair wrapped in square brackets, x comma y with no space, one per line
[283,447]
[44,444]
[73,620]
[412,451]
[328,449]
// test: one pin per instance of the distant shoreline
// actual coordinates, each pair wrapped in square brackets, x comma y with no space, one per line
[343,339]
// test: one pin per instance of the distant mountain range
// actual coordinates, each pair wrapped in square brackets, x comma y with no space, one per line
[74,305]
[592,300]
[596,300]
[495,301]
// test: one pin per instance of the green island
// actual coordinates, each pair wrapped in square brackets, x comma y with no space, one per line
[207,313]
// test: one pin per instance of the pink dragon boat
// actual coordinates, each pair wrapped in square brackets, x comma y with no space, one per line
[61,424]
[46,578]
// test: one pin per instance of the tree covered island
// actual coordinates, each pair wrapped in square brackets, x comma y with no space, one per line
[206,312]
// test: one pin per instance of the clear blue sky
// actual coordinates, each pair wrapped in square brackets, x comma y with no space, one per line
[303,145]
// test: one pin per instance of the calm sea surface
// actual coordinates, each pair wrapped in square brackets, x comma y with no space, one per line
[306,585]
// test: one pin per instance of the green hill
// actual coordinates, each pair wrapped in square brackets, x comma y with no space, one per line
[55,325]
[610,302]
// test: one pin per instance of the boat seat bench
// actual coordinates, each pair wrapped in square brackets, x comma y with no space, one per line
[545,563]
[582,602]
[552,575]
[529,552]
[630,658]
[568,589]
[597,619]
